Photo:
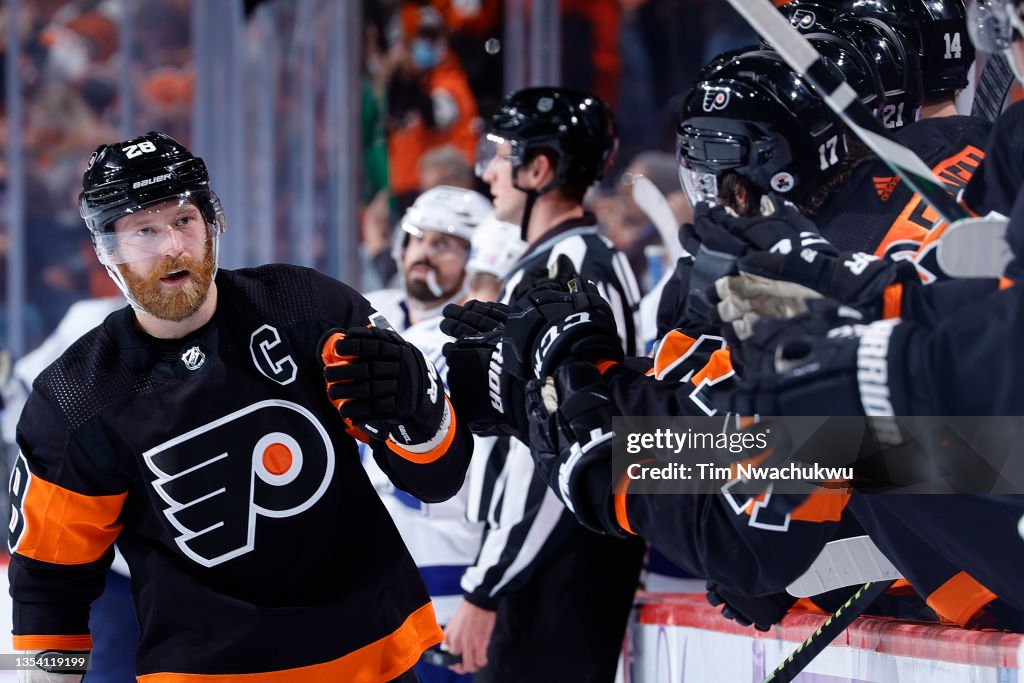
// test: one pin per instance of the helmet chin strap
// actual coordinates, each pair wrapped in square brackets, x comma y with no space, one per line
[531,197]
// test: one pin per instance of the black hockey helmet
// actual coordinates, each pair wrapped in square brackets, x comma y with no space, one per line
[577,127]
[124,177]
[939,29]
[896,60]
[817,23]
[810,16]
[758,118]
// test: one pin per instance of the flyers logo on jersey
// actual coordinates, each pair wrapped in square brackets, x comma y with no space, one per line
[270,459]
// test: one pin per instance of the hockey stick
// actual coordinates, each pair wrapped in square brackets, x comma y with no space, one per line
[846,562]
[992,87]
[653,203]
[829,631]
[841,98]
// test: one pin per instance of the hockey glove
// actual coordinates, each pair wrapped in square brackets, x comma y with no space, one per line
[719,238]
[384,378]
[487,399]
[476,317]
[557,318]
[788,371]
[761,612]
[779,285]
[571,442]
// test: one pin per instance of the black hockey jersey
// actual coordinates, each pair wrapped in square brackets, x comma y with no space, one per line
[998,180]
[257,544]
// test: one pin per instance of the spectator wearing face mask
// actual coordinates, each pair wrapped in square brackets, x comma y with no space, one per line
[430,103]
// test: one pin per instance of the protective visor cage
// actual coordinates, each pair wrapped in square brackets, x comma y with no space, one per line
[701,154]
[493,146]
[161,227]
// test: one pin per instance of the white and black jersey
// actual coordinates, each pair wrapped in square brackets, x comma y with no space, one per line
[525,520]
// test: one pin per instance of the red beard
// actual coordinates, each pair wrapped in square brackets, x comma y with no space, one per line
[180,302]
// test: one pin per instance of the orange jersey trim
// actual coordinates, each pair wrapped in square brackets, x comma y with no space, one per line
[619,504]
[960,598]
[378,662]
[892,301]
[40,642]
[1005,283]
[821,507]
[434,453]
[673,347]
[604,366]
[65,527]
[718,367]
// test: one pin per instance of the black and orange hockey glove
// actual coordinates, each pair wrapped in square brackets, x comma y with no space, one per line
[384,383]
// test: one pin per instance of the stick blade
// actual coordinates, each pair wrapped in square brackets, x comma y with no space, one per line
[975,247]
[846,562]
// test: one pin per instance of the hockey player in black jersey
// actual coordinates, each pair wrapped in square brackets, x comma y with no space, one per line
[199,428]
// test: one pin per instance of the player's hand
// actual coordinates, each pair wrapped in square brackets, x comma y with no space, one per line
[555,318]
[376,377]
[475,317]
[761,612]
[718,238]
[487,399]
[571,441]
[780,285]
[779,227]
[799,368]
[468,633]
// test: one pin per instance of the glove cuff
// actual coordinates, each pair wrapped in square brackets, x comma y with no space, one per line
[433,448]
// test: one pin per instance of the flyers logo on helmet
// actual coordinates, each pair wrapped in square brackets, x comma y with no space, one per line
[270,459]
[715,98]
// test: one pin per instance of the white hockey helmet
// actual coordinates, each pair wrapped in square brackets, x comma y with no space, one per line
[495,247]
[451,210]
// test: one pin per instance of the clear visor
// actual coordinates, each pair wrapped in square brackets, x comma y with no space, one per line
[699,186]
[493,148]
[991,24]
[171,228]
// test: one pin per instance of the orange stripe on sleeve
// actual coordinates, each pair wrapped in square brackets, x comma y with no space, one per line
[673,347]
[604,366]
[619,501]
[1005,283]
[434,453]
[892,301]
[821,507]
[65,527]
[718,367]
[83,642]
[381,660]
[960,598]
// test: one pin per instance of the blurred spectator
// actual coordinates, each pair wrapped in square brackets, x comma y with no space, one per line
[590,47]
[429,100]
[445,166]
[442,166]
